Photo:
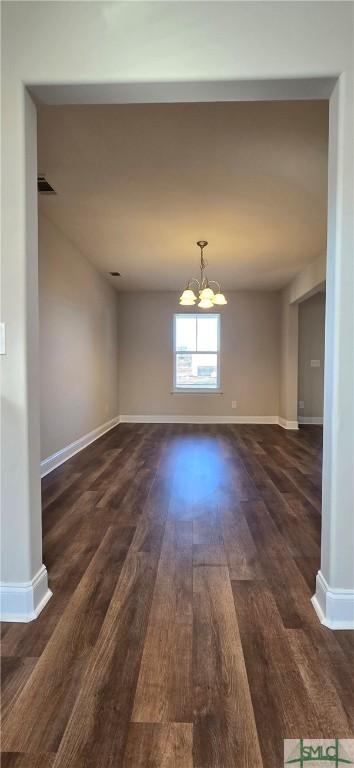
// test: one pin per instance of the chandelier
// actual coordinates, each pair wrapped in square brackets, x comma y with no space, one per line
[207,297]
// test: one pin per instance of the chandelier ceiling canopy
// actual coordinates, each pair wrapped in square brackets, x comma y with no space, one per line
[207,296]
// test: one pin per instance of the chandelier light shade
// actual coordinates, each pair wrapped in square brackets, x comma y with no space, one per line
[188,298]
[219,298]
[202,288]
[206,293]
[205,304]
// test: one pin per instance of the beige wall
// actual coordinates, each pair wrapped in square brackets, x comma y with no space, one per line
[78,343]
[249,357]
[311,347]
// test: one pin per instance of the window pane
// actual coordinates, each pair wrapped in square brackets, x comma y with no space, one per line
[207,334]
[195,370]
[186,331]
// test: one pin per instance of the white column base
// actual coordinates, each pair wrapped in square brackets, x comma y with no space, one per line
[287,424]
[334,607]
[23,601]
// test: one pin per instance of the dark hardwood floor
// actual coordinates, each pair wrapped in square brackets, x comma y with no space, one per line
[180,634]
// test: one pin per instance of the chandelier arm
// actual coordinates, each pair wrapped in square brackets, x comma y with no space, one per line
[194,280]
[215,283]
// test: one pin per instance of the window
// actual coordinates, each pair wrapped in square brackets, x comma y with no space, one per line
[196,352]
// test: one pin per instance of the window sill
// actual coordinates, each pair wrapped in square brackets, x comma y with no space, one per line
[196,392]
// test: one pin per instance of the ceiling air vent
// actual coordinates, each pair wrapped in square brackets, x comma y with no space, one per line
[44,187]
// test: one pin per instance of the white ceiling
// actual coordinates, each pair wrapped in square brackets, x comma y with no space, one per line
[138,184]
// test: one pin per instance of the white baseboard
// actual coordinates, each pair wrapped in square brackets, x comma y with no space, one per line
[23,601]
[287,424]
[50,463]
[47,465]
[310,419]
[334,607]
[180,419]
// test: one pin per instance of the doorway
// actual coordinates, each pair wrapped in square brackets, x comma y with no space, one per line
[23,490]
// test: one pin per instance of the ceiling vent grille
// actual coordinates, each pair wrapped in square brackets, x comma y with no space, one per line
[44,188]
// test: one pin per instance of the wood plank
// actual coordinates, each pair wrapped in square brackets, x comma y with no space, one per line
[69,549]
[98,467]
[122,480]
[26,760]
[306,488]
[278,694]
[97,730]
[224,728]
[319,687]
[334,661]
[164,687]
[288,508]
[345,639]
[58,487]
[238,485]
[309,567]
[132,503]
[208,543]
[289,588]
[47,699]
[15,672]
[163,745]
[242,556]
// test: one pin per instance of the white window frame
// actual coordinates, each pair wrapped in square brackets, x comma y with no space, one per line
[197,390]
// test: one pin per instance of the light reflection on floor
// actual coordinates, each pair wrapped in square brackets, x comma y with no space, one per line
[199,473]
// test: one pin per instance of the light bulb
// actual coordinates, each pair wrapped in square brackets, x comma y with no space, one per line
[205,303]
[206,293]
[187,302]
[219,298]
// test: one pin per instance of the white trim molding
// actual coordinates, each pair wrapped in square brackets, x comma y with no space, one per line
[24,601]
[334,607]
[181,419]
[310,419]
[287,424]
[47,465]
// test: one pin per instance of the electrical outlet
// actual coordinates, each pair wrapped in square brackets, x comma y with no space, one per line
[301,404]
[233,403]
[315,363]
